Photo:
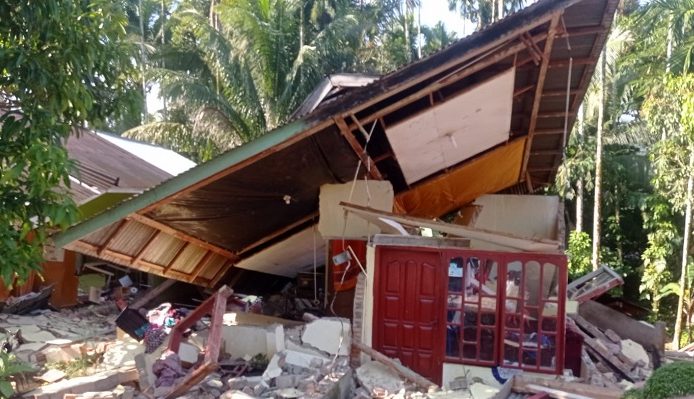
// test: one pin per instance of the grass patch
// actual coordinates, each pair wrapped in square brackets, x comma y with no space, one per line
[670,381]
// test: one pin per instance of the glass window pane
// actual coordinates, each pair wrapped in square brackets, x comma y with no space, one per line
[453,341]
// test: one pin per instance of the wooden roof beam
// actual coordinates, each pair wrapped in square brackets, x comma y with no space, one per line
[370,165]
[551,33]
[182,236]
[130,261]
[197,270]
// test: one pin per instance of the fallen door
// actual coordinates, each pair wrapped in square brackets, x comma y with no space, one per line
[408,300]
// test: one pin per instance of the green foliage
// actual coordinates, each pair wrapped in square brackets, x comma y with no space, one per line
[10,366]
[579,253]
[62,64]
[670,381]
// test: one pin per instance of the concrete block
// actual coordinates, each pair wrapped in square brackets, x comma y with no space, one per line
[332,335]
[635,352]
[613,336]
[285,381]
[188,354]
[242,340]
[275,338]
[301,359]
[274,367]
[52,376]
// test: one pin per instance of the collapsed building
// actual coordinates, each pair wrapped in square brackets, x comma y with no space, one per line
[403,203]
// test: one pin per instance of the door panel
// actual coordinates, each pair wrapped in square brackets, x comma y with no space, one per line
[408,299]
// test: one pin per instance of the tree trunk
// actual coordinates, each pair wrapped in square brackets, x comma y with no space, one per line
[579,183]
[143,58]
[163,63]
[598,168]
[685,254]
[408,52]
[419,31]
[500,9]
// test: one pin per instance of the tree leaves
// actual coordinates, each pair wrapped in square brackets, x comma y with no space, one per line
[62,64]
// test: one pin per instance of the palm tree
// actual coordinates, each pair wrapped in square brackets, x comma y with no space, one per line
[485,12]
[233,82]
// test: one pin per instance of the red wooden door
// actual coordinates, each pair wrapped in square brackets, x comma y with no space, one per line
[409,296]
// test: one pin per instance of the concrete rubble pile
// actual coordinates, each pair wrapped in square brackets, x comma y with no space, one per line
[610,360]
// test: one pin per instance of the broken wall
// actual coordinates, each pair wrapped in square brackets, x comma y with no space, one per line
[529,216]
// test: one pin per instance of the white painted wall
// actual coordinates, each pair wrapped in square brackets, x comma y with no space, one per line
[527,216]
[373,194]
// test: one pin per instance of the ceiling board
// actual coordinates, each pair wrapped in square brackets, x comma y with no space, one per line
[289,257]
[455,130]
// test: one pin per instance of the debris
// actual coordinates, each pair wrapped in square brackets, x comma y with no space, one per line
[483,391]
[167,369]
[378,378]
[635,352]
[215,306]
[331,335]
[106,380]
[52,375]
[562,389]
[395,366]
[188,354]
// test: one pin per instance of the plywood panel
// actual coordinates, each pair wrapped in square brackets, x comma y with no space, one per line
[455,130]
[490,173]
[288,257]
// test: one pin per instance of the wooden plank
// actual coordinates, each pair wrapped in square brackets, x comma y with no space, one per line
[215,306]
[551,33]
[528,384]
[277,233]
[182,236]
[358,149]
[152,293]
[395,366]
[592,330]
[112,236]
[545,152]
[560,93]
[508,240]
[523,90]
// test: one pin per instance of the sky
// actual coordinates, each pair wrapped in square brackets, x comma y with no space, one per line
[434,11]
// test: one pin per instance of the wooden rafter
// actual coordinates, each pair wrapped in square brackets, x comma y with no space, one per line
[523,90]
[112,237]
[219,274]
[145,247]
[533,49]
[130,261]
[200,265]
[358,149]
[549,132]
[278,233]
[554,22]
[182,236]
[562,92]
[178,254]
